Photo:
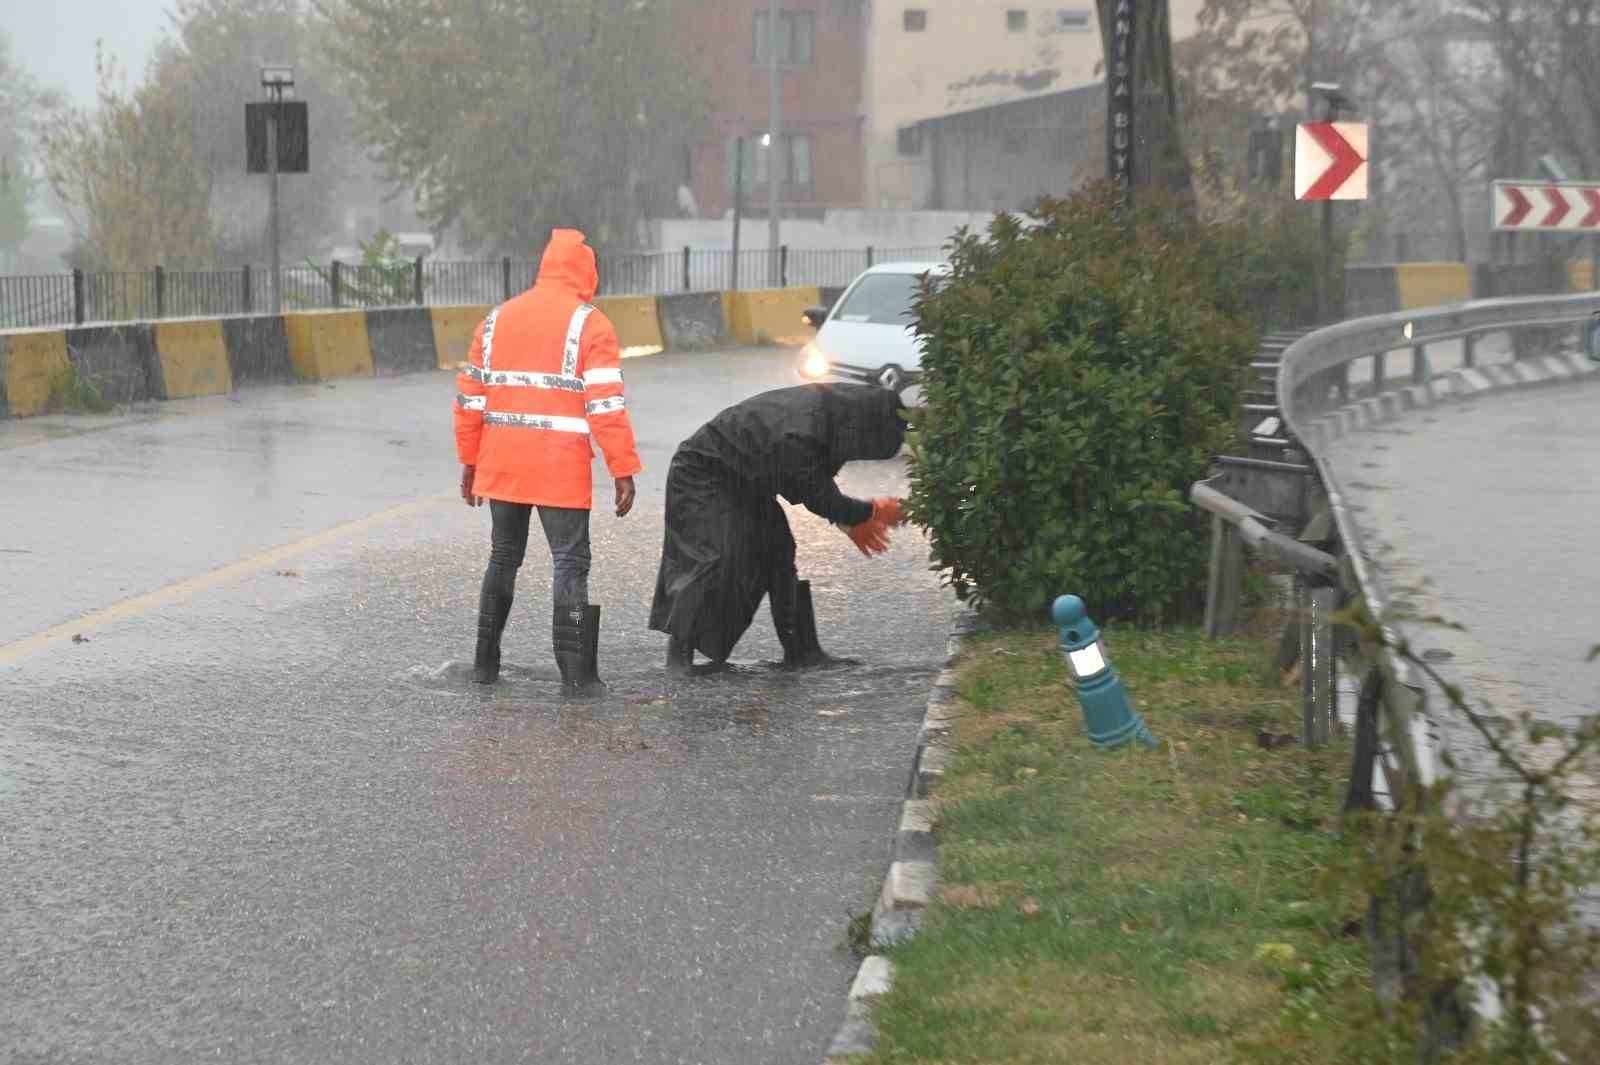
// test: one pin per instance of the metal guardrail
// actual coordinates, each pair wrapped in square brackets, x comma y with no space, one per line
[1312,379]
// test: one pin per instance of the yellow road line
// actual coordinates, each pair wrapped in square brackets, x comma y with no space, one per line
[12,653]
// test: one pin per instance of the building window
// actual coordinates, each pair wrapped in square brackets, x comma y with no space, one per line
[797,38]
[1016,20]
[910,140]
[752,160]
[1073,21]
[916,19]
[794,167]
[799,154]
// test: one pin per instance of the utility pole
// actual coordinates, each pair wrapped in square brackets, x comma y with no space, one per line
[775,142]
[276,80]
[738,209]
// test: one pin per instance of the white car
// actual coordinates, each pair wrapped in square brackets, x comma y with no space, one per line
[867,336]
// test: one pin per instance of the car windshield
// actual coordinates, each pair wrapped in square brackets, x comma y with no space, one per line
[880,299]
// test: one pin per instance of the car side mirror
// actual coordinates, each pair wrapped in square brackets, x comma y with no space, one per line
[815,316]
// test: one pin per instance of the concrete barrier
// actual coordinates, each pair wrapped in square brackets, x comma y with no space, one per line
[401,339]
[1518,279]
[179,358]
[193,357]
[692,321]
[1581,276]
[119,360]
[29,363]
[453,328]
[1370,290]
[324,345]
[1432,284]
[636,321]
[769,316]
[258,349]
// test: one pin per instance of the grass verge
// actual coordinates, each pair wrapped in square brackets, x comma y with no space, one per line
[1137,906]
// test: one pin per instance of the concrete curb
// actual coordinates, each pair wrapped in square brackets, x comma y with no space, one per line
[913,874]
[1457,385]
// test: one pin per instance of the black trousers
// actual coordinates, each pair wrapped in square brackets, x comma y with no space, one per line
[566,531]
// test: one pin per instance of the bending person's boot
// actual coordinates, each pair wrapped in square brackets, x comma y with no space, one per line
[494,607]
[680,657]
[805,631]
[784,600]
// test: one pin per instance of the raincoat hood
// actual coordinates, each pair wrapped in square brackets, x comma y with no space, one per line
[865,422]
[570,263]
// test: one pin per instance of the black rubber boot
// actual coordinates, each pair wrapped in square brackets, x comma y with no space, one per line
[784,600]
[493,610]
[570,634]
[680,657]
[805,625]
[591,651]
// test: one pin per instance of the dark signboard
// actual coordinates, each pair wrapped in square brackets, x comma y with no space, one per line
[294,141]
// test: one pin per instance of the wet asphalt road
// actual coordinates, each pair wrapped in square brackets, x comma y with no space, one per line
[1485,512]
[259,814]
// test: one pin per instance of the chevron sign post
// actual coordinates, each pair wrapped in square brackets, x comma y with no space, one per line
[1545,206]
[1330,161]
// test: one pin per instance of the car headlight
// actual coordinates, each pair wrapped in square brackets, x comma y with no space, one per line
[813,363]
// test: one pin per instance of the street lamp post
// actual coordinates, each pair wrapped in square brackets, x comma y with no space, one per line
[774,141]
[277,81]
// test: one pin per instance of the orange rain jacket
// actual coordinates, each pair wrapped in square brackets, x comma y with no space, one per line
[543,377]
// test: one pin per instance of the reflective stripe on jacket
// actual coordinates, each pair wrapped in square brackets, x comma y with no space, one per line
[543,377]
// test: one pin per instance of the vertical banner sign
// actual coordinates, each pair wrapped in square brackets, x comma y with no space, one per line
[1119,108]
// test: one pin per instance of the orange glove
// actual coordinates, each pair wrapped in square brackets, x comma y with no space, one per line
[888,510]
[871,537]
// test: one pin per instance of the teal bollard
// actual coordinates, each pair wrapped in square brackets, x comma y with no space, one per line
[1110,718]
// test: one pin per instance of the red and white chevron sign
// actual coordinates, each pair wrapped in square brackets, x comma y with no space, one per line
[1330,161]
[1547,206]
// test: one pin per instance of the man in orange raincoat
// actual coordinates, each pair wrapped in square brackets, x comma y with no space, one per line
[543,380]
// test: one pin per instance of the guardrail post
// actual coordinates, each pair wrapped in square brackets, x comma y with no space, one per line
[77,296]
[1420,374]
[686,256]
[505,277]
[1469,349]
[336,274]
[1314,605]
[416,281]
[247,303]
[160,276]
[1380,371]
[1224,579]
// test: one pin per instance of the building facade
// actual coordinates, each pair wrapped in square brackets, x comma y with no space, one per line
[821,52]
[932,59]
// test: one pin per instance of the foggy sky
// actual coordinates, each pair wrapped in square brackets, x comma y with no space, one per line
[54,39]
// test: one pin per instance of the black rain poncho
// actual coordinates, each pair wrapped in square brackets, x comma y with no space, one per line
[727,538]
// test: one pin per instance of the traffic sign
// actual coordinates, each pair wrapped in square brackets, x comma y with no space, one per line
[1547,206]
[1330,161]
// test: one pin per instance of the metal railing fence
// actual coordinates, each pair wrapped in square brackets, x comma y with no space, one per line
[78,297]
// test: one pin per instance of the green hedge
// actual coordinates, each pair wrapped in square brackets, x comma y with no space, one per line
[1079,376]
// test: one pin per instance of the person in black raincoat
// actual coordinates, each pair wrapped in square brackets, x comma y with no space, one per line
[727,539]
